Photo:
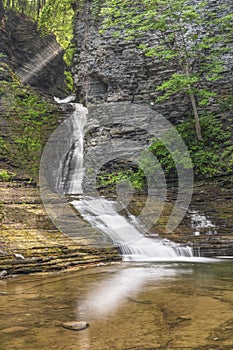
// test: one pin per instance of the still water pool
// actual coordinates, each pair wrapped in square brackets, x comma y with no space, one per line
[129,306]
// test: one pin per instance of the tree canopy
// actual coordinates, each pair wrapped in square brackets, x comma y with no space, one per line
[54,16]
[31,8]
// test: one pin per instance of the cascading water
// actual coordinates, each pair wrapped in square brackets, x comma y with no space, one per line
[102,213]
[71,173]
[199,222]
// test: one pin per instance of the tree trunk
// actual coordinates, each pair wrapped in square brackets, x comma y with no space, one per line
[38,8]
[196,117]
[194,107]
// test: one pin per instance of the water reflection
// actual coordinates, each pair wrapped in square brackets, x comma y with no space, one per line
[104,299]
[140,306]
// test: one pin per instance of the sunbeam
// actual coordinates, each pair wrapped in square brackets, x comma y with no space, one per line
[33,67]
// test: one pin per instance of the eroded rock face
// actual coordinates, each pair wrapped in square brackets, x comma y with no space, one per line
[25,48]
[116,134]
[108,69]
[38,61]
[27,231]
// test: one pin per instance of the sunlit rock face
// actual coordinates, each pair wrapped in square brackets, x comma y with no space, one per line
[26,50]
[108,69]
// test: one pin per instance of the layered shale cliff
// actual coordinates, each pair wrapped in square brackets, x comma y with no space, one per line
[29,242]
[28,51]
[31,72]
[110,69]
[112,77]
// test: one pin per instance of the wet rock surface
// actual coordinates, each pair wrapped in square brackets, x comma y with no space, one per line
[212,202]
[30,243]
[3,274]
[22,44]
[75,325]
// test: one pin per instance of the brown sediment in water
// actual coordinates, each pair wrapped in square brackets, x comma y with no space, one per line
[180,307]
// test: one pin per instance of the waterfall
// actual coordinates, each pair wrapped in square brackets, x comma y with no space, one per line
[76,165]
[102,214]
[72,169]
[199,222]
[125,232]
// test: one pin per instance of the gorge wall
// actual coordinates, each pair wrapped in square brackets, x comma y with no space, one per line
[22,44]
[110,74]
[108,69]
[31,73]
[29,242]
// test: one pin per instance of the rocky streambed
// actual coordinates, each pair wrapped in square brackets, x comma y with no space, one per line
[207,225]
[29,242]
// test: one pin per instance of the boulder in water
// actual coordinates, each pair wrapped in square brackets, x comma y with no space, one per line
[75,325]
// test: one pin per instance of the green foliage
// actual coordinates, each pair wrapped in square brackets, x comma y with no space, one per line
[89,171]
[213,156]
[110,180]
[69,80]
[28,116]
[57,17]
[177,26]
[31,8]
[5,176]
[96,7]
[53,16]
[225,103]
[210,157]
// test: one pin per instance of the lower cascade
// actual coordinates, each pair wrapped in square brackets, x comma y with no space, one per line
[102,214]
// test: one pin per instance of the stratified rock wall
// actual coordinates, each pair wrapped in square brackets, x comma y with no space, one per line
[108,69]
[113,141]
[27,57]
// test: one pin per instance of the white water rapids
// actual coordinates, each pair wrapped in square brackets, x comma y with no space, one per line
[102,213]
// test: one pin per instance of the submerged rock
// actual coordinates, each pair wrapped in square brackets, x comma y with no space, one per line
[76,326]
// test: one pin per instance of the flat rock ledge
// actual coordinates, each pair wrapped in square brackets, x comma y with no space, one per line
[29,242]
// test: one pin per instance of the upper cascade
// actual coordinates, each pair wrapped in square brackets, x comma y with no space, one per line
[71,169]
